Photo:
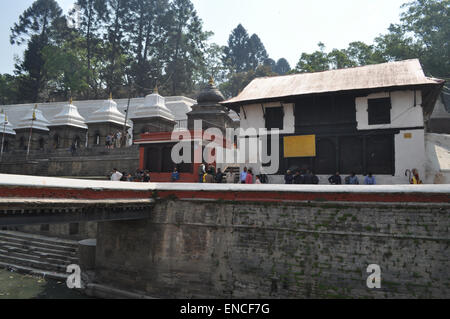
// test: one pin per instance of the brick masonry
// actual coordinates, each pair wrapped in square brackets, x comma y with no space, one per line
[204,249]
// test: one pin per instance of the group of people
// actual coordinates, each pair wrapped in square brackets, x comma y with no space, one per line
[301,177]
[115,140]
[209,175]
[247,177]
[138,177]
[307,177]
[352,179]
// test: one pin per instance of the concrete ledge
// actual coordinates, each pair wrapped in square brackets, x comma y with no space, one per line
[53,182]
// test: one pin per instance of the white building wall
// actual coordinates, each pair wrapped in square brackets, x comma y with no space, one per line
[406,113]
[403,112]
[255,117]
[409,154]
[438,158]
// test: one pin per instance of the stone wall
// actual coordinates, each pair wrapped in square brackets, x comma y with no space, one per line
[93,162]
[76,231]
[204,249]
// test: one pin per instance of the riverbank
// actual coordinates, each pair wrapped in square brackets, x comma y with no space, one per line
[19,286]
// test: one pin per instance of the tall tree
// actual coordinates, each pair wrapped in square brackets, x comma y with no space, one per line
[363,54]
[92,18]
[147,31]
[8,89]
[282,67]
[67,69]
[340,60]
[314,62]
[424,32]
[186,44]
[238,81]
[237,54]
[257,52]
[36,26]
[116,44]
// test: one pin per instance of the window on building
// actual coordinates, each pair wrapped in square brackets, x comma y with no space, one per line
[74,229]
[379,111]
[56,141]
[41,143]
[274,118]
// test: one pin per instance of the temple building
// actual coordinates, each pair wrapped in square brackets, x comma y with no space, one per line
[68,128]
[156,145]
[370,119]
[152,116]
[210,111]
[440,119]
[105,121]
[34,125]
[7,132]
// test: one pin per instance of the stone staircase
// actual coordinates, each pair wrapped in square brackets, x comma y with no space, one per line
[36,254]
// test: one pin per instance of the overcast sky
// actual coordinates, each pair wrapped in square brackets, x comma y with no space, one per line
[286,27]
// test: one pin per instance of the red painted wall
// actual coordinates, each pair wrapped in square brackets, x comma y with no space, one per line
[67,193]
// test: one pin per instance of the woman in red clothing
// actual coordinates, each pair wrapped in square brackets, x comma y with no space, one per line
[249,179]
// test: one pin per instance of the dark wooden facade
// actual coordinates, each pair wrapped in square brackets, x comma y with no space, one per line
[340,147]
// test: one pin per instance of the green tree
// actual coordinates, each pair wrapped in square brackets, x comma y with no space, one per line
[238,81]
[67,69]
[282,67]
[257,52]
[8,89]
[116,45]
[237,56]
[363,54]
[340,60]
[186,48]
[314,62]
[147,30]
[424,33]
[92,18]
[38,26]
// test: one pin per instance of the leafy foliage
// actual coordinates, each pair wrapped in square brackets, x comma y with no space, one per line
[130,46]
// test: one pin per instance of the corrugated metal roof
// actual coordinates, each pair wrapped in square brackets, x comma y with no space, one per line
[392,74]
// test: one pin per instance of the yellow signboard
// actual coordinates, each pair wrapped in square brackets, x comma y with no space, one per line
[408,135]
[300,146]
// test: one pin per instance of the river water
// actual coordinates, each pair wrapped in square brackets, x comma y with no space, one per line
[19,286]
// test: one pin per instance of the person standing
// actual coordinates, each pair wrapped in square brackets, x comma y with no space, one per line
[298,178]
[73,149]
[370,180]
[118,139]
[230,178]
[308,178]
[249,177]
[288,178]
[416,179]
[175,176]
[209,177]
[258,180]
[116,176]
[108,141]
[335,179]
[201,172]
[146,177]
[243,176]
[219,176]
